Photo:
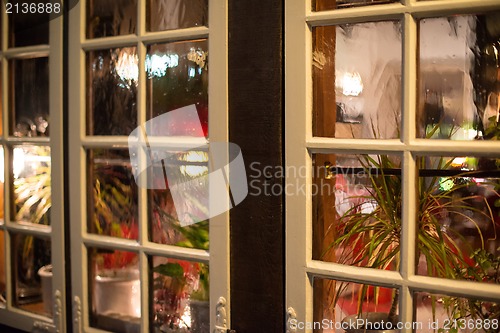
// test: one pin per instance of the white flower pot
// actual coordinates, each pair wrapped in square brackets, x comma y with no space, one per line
[45,274]
[118,292]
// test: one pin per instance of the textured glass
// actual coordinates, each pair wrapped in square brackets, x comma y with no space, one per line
[459,207]
[338,4]
[356,95]
[30,254]
[177,75]
[444,313]
[2,183]
[335,300]
[114,283]
[32,184]
[106,18]
[27,29]
[112,194]
[180,296]
[357,204]
[165,227]
[176,14]
[459,78]
[3,281]
[112,91]
[1,100]
[29,104]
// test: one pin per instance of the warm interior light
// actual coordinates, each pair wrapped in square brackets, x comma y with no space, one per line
[18,161]
[156,65]
[194,170]
[458,162]
[352,84]
[127,66]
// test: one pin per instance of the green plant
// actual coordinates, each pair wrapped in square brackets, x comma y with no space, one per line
[485,268]
[194,236]
[371,238]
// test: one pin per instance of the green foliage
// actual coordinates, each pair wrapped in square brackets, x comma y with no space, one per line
[373,239]
[486,268]
[173,270]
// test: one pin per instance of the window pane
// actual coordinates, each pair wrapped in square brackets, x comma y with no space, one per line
[115,290]
[30,254]
[338,303]
[1,99]
[459,77]
[445,313]
[27,29]
[30,116]
[106,18]
[179,296]
[2,184]
[458,199]
[355,95]
[3,278]
[318,5]
[112,194]
[176,14]
[357,204]
[178,76]
[165,227]
[112,91]
[32,184]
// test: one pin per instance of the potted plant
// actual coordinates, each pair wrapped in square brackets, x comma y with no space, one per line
[369,235]
[117,284]
[113,215]
[180,284]
[32,203]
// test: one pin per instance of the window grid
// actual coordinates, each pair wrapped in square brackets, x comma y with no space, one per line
[301,144]
[80,142]
[13,315]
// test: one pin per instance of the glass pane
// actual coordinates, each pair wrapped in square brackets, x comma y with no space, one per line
[357,203]
[2,183]
[357,80]
[3,278]
[179,296]
[115,290]
[318,5]
[26,29]
[32,184]
[178,76]
[458,207]
[165,226]
[340,306]
[30,116]
[444,313]
[112,91]
[31,255]
[176,14]
[112,194]
[1,97]
[459,78]
[106,18]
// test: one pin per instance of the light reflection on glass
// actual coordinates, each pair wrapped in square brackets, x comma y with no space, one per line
[31,168]
[156,65]
[180,296]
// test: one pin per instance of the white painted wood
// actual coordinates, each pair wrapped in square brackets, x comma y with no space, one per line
[9,314]
[300,269]
[218,258]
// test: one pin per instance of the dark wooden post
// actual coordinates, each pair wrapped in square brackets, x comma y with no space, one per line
[256,125]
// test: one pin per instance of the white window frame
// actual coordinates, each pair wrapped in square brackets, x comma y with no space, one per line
[301,144]
[218,258]
[9,314]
